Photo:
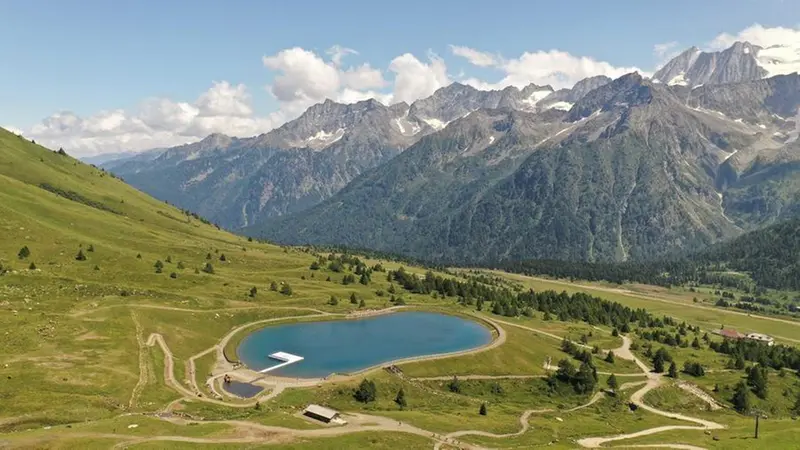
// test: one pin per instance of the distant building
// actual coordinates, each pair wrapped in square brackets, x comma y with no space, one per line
[733,334]
[321,413]
[761,338]
[730,333]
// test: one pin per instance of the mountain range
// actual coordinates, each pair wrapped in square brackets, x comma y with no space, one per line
[610,170]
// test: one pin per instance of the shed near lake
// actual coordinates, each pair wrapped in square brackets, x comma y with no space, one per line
[321,413]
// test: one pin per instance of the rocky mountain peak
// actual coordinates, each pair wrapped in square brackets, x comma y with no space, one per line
[626,91]
[694,67]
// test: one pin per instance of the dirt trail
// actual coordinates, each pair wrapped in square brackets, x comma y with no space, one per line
[143,364]
[524,421]
[254,432]
[654,381]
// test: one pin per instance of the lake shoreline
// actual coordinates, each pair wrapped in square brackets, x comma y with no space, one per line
[497,337]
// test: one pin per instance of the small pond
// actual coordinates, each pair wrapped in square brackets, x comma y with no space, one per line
[344,346]
[244,390]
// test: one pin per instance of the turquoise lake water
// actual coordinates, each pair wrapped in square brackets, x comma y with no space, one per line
[344,346]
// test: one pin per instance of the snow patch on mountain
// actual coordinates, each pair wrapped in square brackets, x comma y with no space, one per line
[564,106]
[779,59]
[436,124]
[536,97]
[324,139]
[679,79]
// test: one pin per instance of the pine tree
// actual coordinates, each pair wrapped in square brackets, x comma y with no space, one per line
[366,391]
[24,252]
[32,266]
[796,407]
[741,398]
[757,379]
[173,275]
[454,385]
[286,289]
[353,298]
[138,256]
[482,411]
[253,291]
[273,286]
[333,301]
[401,399]
[362,304]
[158,265]
[222,257]
[673,370]
[208,268]
[80,256]
[610,357]
[612,382]
[90,248]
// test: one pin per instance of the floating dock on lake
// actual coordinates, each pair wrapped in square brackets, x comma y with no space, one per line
[285,358]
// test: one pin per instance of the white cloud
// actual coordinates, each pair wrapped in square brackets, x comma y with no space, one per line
[415,79]
[780,52]
[758,35]
[156,122]
[475,57]
[301,78]
[556,68]
[665,52]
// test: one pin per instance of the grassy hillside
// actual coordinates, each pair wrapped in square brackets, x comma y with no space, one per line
[81,368]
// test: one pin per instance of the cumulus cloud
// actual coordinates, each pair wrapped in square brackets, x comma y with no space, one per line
[301,78]
[156,122]
[557,68]
[759,35]
[415,79]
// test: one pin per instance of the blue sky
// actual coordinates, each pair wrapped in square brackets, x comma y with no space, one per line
[90,56]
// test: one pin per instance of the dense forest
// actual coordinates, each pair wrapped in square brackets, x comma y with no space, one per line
[770,256]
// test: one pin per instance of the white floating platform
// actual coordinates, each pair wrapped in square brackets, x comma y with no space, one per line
[286,358]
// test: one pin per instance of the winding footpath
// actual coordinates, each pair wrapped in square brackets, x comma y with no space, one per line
[654,380]
[248,432]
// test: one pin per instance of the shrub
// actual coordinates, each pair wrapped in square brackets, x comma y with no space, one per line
[208,268]
[32,266]
[173,275]
[286,289]
[90,248]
